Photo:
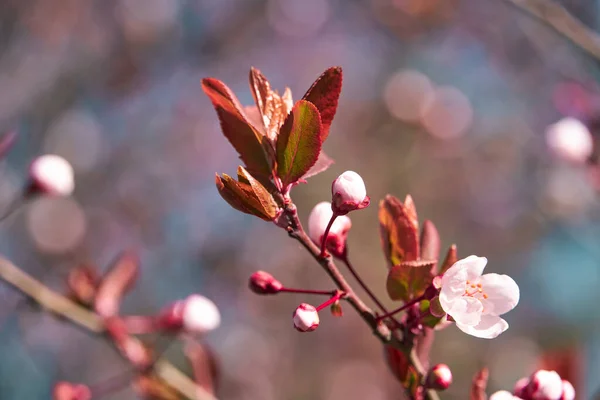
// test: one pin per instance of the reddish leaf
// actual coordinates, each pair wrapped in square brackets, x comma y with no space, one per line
[430,242]
[399,233]
[116,282]
[411,211]
[323,162]
[408,280]
[451,258]
[401,369]
[272,108]
[324,94]
[251,145]
[299,142]
[204,365]
[479,385]
[248,195]
[83,282]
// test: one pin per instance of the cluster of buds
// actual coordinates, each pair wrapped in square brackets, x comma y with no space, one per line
[541,385]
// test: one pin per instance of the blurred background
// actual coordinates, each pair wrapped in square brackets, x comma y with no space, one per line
[453,101]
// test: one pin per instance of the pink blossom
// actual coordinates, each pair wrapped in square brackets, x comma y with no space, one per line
[476,301]
[504,395]
[570,140]
[306,318]
[317,223]
[348,193]
[568,392]
[545,385]
[52,175]
[199,314]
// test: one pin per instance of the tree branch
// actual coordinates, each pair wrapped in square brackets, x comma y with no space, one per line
[80,316]
[559,19]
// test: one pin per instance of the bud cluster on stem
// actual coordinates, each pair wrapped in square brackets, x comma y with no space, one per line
[541,385]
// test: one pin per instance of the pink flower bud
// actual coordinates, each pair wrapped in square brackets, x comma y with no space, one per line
[568,391]
[68,391]
[521,386]
[199,314]
[349,193]
[262,282]
[545,385]
[317,223]
[306,318]
[439,377]
[52,174]
[503,395]
[570,140]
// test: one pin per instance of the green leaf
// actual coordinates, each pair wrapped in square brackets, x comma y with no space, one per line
[248,195]
[253,147]
[399,230]
[409,279]
[451,258]
[299,142]
[324,94]
[429,320]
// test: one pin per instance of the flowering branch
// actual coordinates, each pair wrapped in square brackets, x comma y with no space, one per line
[380,330]
[91,321]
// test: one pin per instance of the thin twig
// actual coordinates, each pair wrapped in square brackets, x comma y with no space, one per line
[59,304]
[555,16]
[380,330]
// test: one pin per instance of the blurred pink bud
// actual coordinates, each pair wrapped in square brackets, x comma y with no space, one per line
[545,385]
[53,175]
[68,391]
[439,377]
[349,193]
[521,387]
[200,314]
[306,318]
[317,223]
[262,282]
[568,391]
[570,140]
[503,395]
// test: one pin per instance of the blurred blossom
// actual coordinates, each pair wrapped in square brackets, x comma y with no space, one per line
[447,114]
[570,140]
[143,20]
[406,93]
[354,380]
[56,225]
[77,136]
[568,192]
[297,18]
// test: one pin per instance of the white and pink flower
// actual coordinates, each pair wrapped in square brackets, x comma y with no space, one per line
[306,318]
[348,193]
[53,175]
[476,301]
[318,220]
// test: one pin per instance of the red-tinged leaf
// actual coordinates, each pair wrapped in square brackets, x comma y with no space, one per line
[204,365]
[399,235]
[429,319]
[479,385]
[411,211]
[247,196]
[299,142]
[430,242]
[83,282]
[324,94]
[116,283]
[323,162]
[451,258]
[271,106]
[288,102]
[336,309]
[401,368]
[408,280]
[251,145]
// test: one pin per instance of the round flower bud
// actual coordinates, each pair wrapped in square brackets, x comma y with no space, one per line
[521,387]
[568,391]
[317,223]
[52,174]
[306,318]
[348,193]
[199,314]
[69,391]
[570,140]
[503,395]
[262,282]
[439,377]
[545,385]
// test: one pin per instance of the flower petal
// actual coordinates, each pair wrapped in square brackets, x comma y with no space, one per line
[465,310]
[502,293]
[489,327]
[454,282]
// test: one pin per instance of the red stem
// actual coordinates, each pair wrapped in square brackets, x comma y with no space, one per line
[363,285]
[309,291]
[332,300]
[324,240]
[404,307]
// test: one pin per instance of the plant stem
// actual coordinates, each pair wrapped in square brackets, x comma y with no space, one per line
[363,285]
[380,330]
[324,240]
[82,317]
[309,291]
[330,301]
[402,308]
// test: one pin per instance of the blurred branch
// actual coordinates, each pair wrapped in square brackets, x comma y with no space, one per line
[555,16]
[79,315]
[383,333]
